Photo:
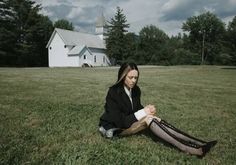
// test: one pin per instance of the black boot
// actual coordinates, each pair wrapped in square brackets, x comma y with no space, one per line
[206,148]
[162,132]
[182,135]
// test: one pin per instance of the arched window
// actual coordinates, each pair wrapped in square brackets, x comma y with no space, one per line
[85,57]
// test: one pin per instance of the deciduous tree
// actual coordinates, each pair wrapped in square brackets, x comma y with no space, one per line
[152,44]
[231,38]
[205,33]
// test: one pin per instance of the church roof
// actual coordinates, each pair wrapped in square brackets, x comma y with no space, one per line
[77,50]
[74,38]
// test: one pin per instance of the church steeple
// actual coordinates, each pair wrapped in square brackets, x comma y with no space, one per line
[100,26]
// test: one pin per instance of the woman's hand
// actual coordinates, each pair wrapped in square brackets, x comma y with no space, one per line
[150,109]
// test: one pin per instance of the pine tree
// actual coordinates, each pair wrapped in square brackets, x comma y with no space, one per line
[115,37]
[23,34]
[63,24]
[7,33]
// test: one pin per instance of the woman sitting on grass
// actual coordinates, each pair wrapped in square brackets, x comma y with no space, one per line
[125,115]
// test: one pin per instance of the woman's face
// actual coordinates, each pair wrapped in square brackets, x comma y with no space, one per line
[131,79]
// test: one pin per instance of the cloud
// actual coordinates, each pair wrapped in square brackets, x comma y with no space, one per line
[183,9]
[226,8]
[167,15]
[45,3]
[82,20]
[58,11]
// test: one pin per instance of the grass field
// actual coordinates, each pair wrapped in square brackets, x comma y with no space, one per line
[50,116]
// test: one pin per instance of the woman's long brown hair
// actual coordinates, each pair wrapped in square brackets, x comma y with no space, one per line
[123,71]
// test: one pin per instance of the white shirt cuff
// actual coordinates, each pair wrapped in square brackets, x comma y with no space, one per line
[140,114]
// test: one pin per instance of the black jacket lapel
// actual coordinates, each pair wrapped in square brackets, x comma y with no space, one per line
[126,100]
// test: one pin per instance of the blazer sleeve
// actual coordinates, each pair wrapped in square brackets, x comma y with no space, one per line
[138,96]
[116,113]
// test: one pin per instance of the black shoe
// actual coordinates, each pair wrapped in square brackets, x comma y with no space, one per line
[206,148]
[212,143]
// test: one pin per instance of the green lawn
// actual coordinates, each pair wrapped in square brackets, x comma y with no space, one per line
[50,116]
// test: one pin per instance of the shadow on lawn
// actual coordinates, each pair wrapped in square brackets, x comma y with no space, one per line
[153,137]
[231,68]
[156,139]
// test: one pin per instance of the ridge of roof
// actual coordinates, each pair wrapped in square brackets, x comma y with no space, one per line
[78,38]
[76,50]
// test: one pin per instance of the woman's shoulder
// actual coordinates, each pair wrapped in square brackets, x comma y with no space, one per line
[114,93]
[137,90]
[115,89]
[136,87]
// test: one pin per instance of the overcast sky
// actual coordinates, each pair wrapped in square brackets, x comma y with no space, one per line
[167,15]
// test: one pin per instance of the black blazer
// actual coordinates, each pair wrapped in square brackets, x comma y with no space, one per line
[118,109]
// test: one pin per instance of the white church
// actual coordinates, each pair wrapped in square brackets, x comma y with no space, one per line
[75,49]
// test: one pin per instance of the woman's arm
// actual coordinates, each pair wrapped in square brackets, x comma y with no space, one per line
[115,112]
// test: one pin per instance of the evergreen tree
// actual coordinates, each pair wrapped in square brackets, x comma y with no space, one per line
[43,30]
[7,33]
[25,37]
[24,21]
[64,24]
[115,37]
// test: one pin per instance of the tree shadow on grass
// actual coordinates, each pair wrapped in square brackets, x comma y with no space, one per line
[156,139]
[231,68]
[149,134]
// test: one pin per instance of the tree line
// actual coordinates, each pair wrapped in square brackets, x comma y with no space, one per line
[24,33]
[206,40]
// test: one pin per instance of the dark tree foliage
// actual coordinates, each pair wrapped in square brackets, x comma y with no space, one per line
[205,35]
[178,55]
[115,37]
[43,33]
[152,45]
[26,34]
[231,41]
[64,24]
[8,36]
[130,47]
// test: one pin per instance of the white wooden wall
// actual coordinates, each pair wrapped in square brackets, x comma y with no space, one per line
[57,54]
[58,57]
